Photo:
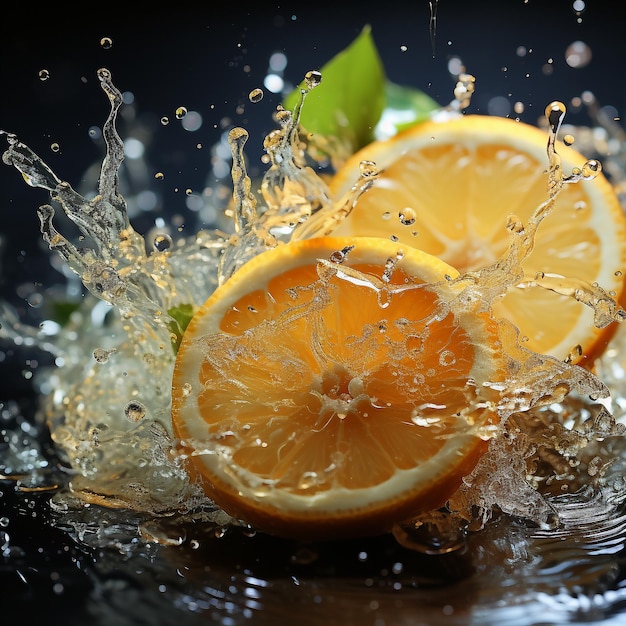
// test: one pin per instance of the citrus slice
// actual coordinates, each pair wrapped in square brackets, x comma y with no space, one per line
[449,187]
[331,388]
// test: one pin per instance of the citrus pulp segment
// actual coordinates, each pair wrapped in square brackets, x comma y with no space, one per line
[449,187]
[329,388]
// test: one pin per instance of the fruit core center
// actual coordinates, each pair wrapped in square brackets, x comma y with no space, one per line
[338,392]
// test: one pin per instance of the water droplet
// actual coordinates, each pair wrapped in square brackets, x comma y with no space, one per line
[555,112]
[44,74]
[256,95]
[181,112]
[407,216]
[447,358]
[159,176]
[55,147]
[368,169]
[101,355]
[135,411]
[515,225]
[165,120]
[313,78]
[568,140]
[578,54]
[307,480]
[591,169]
[339,256]
[106,42]
[162,242]
[219,532]
[440,536]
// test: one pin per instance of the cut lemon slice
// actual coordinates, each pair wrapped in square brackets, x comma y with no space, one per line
[329,388]
[449,187]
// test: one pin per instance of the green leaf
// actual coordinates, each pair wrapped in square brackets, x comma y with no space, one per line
[62,310]
[181,316]
[405,107]
[348,103]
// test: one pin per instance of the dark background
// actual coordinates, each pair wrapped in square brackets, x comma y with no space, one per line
[209,59]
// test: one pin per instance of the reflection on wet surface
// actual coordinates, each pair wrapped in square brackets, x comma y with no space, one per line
[94,565]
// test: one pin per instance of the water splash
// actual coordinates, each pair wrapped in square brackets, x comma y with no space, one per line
[109,414]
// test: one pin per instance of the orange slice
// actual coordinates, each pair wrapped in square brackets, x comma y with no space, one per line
[448,189]
[331,388]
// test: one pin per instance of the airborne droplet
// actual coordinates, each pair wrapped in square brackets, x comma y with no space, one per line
[256,95]
[313,78]
[162,242]
[591,169]
[367,169]
[407,216]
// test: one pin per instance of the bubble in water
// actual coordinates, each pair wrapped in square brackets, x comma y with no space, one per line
[105,280]
[44,74]
[181,112]
[135,411]
[256,95]
[106,42]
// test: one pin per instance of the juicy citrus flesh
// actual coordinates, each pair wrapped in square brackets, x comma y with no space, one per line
[327,400]
[448,188]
